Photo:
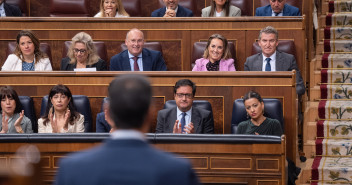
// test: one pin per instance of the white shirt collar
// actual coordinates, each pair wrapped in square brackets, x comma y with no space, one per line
[128,134]
[131,56]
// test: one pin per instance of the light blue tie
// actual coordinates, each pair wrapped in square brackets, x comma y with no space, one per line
[267,66]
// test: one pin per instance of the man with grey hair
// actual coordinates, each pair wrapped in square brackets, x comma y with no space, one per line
[271,59]
[277,8]
[137,58]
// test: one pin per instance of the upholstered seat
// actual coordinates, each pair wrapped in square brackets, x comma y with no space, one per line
[44,47]
[272,109]
[69,8]
[190,4]
[133,7]
[156,46]
[100,46]
[22,4]
[203,104]
[82,105]
[28,107]
[244,5]
[287,46]
[199,47]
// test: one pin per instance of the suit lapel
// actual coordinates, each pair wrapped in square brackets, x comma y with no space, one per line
[172,119]
[146,60]
[269,11]
[258,66]
[195,119]
[279,62]
[126,66]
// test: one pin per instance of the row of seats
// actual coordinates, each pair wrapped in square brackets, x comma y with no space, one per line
[286,46]
[273,109]
[80,8]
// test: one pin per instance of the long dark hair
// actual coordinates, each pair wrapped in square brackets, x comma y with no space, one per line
[226,8]
[62,89]
[9,92]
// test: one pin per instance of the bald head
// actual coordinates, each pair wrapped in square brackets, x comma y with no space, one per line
[135,41]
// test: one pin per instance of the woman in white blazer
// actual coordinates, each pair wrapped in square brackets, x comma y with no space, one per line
[27,55]
[221,8]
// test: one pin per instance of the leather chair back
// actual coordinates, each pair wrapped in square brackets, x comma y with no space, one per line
[156,46]
[244,5]
[22,4]
[296,3]
[190,4]
[44,47]
[28,107]
[133,7]
[82,105]
[199,47]
[100,46]
[287,46]
[203,104]
[273,109]
[69,8]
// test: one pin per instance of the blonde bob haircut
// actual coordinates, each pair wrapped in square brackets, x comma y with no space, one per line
[85,39]
[119,8]
[226,54]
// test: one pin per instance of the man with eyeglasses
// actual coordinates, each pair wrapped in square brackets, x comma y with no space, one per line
[185,118]
[137,58]
[277,8]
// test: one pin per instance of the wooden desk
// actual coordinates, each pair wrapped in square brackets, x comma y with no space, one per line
[217,159]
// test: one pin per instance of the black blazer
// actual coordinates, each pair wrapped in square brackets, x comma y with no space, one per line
[181,12]
[66,66]
[11,10]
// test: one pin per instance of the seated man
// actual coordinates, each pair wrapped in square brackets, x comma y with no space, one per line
[102,124]
[277,8]
[184,118]
[172,9]
[272,60]
[7,10]
[137,58]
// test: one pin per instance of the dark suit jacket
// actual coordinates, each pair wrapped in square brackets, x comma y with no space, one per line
[127,162]
[152,61]
[284,62]
[181,12]
[66,66]
[11,10]
[202,120]
[101,125]
[288,11]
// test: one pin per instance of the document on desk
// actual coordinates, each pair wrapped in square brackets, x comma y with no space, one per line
[85,69]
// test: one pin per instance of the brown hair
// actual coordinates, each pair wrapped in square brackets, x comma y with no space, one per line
[37,53]
[226,8]
[226,54]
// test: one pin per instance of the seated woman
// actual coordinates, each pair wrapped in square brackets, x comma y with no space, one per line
[111,8]
[258,124]
[12,119]
[82,54]
[221,8]
[27,55]
[216,57]
[60,114]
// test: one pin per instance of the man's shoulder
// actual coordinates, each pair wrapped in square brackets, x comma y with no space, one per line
[253,58]
[185,11]
[121,54]
[263,8]
[201,110]
[158,12]
[292,10]
[284,54]
[163,112]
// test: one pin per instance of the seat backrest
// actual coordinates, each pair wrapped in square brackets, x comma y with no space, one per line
[69,8]
[244,5]
[272,109]
[199,47]
[22,4]
[44,47]
[82,105]
[287,46]
[29,112]
[189,4]
[99,45]
[156,46]
[133,7]
[203,104]
[296,3]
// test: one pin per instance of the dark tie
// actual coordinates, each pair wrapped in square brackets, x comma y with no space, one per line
[135,65]
[183,121]
[276,14]
[267,66]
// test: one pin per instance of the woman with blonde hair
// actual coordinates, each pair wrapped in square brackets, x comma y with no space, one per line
[82,54]
[112,8]
[27,55]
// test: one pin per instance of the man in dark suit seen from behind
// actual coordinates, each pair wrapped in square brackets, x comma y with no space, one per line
[271,59]
[185,118]
[172,9]
[277,8]
[126,158]
[137,58]
[7,10]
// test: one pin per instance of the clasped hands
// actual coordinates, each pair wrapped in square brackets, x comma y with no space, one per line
[188,129]
[170,13]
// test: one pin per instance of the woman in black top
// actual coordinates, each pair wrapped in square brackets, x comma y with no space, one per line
[82,54]
[258,124]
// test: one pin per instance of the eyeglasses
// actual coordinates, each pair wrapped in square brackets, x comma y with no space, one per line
[280,1]
[180,95]
[79,50]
